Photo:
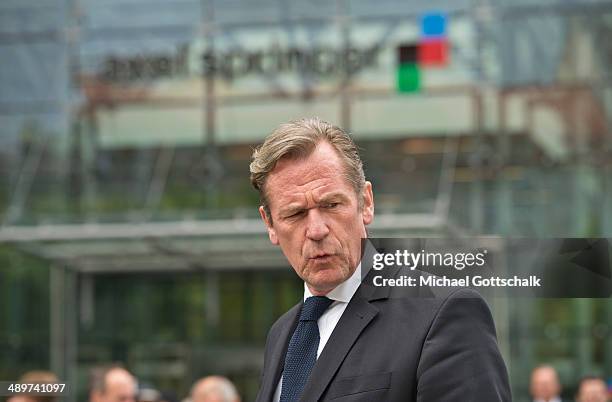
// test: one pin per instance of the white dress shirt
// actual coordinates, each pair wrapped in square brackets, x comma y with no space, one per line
[341,295]
[555,399]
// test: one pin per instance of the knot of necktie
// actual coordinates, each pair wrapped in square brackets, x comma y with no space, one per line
[314,307]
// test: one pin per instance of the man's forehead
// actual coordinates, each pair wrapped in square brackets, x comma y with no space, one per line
[316,180]
[294,195]
[545,371]
[119,376]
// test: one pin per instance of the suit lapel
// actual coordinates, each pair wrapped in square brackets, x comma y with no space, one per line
[358,314]
[355,318]
[279,350]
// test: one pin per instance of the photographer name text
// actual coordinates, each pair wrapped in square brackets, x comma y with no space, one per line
[466,281]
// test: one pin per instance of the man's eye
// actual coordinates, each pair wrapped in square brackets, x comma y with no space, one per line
[295,214]
[331,205]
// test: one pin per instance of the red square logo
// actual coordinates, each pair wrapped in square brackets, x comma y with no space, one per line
[433,52]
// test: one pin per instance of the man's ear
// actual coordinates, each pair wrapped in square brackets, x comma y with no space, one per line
[268,222]
[367,212]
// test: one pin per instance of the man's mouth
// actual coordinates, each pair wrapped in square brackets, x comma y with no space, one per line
[321,258]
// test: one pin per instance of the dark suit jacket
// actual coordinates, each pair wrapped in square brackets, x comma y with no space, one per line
[390,346]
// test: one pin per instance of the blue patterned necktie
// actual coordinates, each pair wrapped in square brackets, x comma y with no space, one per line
[302,351]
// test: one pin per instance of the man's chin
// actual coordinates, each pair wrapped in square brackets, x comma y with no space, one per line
[321,283]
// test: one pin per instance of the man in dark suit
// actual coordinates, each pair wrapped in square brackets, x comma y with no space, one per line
[350,340]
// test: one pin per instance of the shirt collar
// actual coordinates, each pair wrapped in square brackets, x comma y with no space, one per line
[344,291]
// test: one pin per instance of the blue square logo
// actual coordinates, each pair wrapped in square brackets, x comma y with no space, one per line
[433,24]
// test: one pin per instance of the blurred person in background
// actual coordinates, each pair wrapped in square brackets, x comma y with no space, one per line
[35,377]
[149,394]
[544,385]
[214,389]
[112,384]
[592,389]
[20,398]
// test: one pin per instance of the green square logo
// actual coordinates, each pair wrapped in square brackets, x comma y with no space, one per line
[408,78]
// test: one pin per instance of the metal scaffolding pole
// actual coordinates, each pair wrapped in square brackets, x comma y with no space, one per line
[57,312]
[211,165]
[34,151]
[64,329]
[345,81]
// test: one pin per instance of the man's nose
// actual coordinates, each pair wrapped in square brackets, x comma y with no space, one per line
[316,226]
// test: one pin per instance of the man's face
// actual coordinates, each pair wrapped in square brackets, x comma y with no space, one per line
[120,387]
[592,391]
[316,217]
[545,384]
